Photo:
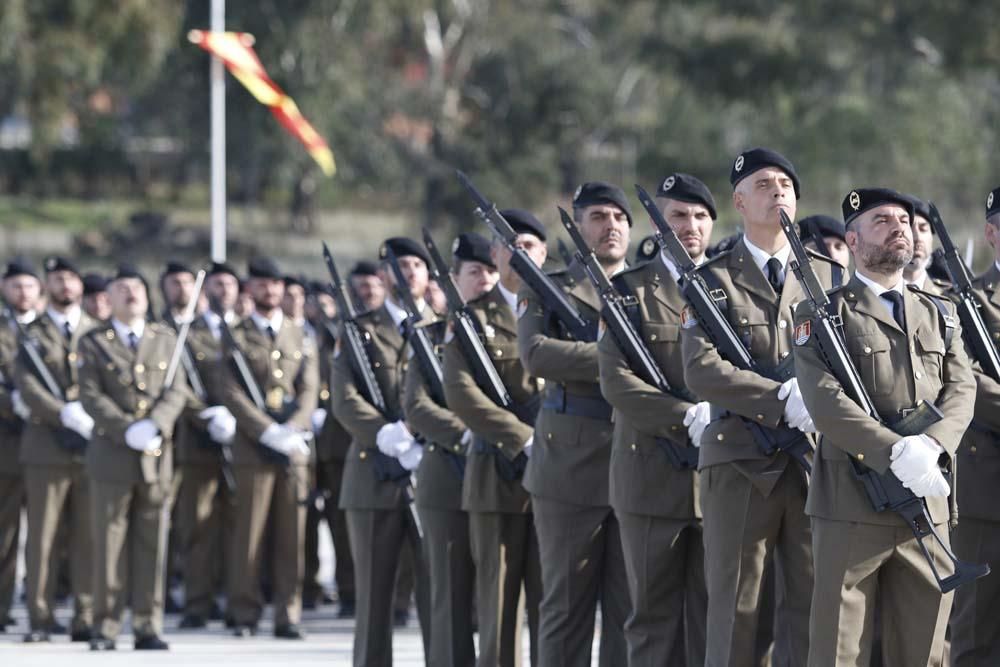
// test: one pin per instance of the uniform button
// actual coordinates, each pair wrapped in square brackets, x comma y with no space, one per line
[100,431]
[200,356]
[139,368]
[458,448]
[632,446]
[499,445]
[157,452]
[918,375]
[71,357]
[141,386]
[782,355]
[744,320]
[363,455]
[377,364]
[760,418]
[850,295]
[499,353]
[861,457]
[324,395]
[278,373]
[652,337]
[549,436]
[676,427]
[142,404]
[276,354]
[782,324]
[162,365]
[868,350]
[972,449]
[430,448]
[720,437]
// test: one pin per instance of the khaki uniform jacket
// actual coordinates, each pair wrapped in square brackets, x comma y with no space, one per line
[642,479]
[333,440]
[483,489]
[571,454]
[119,386]
[40,442]
[205,352]
[979,454]
[387,354]
[439,484]
[283,368]
[899,369]
[10,424]
[764,320]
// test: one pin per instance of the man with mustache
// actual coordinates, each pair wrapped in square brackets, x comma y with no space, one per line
[907,347]
[656,499]
[53,447]
[568,466]
[753,503]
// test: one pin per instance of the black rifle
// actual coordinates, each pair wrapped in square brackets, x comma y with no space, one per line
[976,335]
[555,300]
[703,302]
[615,317]
[885,491]
[66,437]
[564,253]
[812,231]
[465,328]
[423,348]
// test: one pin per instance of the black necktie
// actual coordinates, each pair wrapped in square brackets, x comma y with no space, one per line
[67,330]
[271,333]
[898,313]
[774,274]
[133,340]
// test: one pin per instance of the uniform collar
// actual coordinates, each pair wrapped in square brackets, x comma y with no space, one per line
[262,323]
[877,289]
[123,330]
[510,298]
[760,257]
[72,316]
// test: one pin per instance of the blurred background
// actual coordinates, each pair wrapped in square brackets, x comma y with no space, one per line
[104,124]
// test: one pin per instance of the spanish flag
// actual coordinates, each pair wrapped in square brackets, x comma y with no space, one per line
[235,49]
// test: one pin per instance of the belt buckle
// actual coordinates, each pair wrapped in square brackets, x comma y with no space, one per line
[905,412]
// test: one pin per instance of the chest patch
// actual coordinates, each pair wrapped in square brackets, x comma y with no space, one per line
[688,319]
[522,308]
[803,332]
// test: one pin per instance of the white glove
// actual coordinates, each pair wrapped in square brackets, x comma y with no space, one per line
[913,457]
[284,440]
[143,436]
[410,459]
[796,414]
[696,419]
[21,408]
[394,439]
[930,485]
[221,423]
[75,418]
[318,419]
[528,445]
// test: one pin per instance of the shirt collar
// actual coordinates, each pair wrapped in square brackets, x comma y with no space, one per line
[72,316]
[919,284]
[877,289]
[760,257]
[263,322]
[508,296]
[123,329]
[398,314]
[25,318]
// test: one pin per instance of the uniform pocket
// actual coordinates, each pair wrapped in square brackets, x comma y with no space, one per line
[870,354]
[931,351]
[753,328]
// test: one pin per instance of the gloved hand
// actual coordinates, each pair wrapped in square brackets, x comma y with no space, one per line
[394,439]
[221,423]
[913,457]
[929,485]
[318,419]
[21,408]
[143,436]
[284,440]
[696,419]
[528,445]
[796,414]
[75,418]
[410,459]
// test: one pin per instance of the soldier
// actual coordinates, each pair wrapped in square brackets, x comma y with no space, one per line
[206,506]
[753,503]
[916,271]
[832,231]
[903,344]
[501,525]
[53,446]
[129,460]
[379,462]
[95,297]
[270,453]
[367,286]
[21,292]
[655,499]
[975,628]
[447,550]
[568,470]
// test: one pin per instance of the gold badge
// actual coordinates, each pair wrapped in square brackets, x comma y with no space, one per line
[855,200]
[275,398]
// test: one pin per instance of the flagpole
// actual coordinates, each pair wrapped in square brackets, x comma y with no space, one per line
[218,112]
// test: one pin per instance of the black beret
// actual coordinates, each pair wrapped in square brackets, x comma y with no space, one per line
[472,247]
[648,247]
[19,266]
[920,207]
[599,192]
[755,159]
[218,268]
[524,222]
[264,267]
[724,245]
[364,268]
[862,199]
[174,266]
[687,188]
[993,202]
[127,270]
[94,283]
[55,263]
[299,280]
[827,226]
[320,287]
[401,247]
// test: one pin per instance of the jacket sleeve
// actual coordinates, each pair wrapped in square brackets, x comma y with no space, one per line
[547,357]
[306,391]
[250,420]
[168,408]
[44,406]
[434,422]
[357,415]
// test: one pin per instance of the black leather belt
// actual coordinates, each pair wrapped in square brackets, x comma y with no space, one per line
[558,400]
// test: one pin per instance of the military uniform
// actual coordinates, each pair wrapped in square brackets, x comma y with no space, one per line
[121,386]
[753,504]
[11,477]
[567,477]
[861,554]
[378,519]
[447,549]
[55,477]
[285,369]
[975,627]
[655,499]
[501,526]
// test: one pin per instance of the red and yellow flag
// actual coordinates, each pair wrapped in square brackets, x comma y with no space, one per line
[235,49]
